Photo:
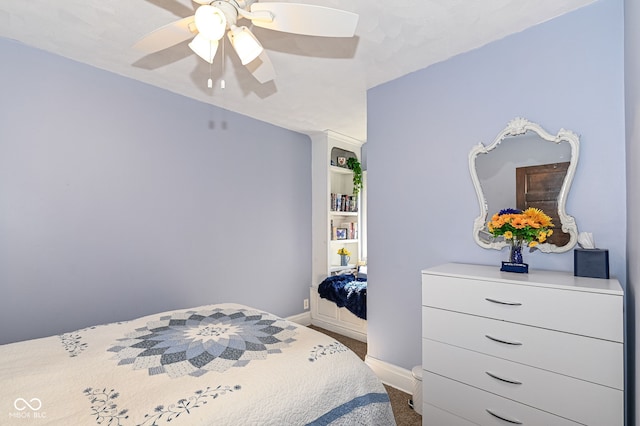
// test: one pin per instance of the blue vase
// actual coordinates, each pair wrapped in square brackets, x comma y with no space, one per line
[344,260]
[515,263]
[515,255]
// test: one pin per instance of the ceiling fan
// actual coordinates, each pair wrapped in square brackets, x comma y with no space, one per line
[213,18]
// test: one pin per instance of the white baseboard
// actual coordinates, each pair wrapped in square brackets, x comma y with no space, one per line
[340,330]
[306,320]
[392,375]
[302,319]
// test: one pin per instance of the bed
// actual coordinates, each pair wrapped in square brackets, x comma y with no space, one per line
[224,364]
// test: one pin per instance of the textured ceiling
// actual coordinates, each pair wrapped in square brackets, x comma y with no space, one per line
[321,82]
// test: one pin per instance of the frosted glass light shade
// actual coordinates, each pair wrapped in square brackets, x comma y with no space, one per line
[211,22]
[204,48]
[245,43]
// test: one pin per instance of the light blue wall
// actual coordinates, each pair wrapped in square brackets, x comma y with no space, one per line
[118,199]
[566,73]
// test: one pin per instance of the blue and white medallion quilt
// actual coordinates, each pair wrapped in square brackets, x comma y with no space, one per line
[223,364]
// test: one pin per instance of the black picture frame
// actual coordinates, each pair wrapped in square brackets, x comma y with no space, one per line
[341,233]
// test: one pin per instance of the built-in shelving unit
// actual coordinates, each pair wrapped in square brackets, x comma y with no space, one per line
[344,219]
[336,224]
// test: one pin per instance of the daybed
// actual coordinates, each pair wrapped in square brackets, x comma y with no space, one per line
[347,291]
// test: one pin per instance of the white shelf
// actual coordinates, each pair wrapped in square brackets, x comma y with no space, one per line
[340,213]
[343,170]
[345,241]
[337,268]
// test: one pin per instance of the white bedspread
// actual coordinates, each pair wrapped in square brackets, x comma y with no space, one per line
[222,364]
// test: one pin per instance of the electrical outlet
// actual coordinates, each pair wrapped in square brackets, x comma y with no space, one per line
[305,303]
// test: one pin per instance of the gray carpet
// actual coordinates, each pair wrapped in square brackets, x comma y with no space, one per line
[405,416]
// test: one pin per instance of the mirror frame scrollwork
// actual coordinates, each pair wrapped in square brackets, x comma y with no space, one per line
[520,126]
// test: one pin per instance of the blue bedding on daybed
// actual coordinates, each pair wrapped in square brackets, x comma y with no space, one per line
[346,291]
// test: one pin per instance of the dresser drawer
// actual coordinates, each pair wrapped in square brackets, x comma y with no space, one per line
[578,400]
[476,406]
[586,358]
[579,312]
[433,416]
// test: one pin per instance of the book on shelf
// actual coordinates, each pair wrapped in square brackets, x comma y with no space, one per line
[343,203]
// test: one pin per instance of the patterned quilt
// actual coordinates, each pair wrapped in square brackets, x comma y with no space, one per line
[221,364]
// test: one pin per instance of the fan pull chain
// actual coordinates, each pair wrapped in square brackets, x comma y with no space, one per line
[222,82]
[210,81]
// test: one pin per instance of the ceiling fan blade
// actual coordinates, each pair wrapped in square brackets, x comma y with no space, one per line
[307,19]
[167,35]
[261,68]
[202,1]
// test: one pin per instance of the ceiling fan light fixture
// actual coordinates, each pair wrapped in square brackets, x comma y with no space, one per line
[215,17]
[211,22]
[245,44]
[204,48]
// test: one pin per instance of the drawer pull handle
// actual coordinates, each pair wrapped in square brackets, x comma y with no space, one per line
[502,302]
[502,379]
[506,342]
[506,419]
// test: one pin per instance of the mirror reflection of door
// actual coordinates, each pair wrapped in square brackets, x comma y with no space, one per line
[539,187]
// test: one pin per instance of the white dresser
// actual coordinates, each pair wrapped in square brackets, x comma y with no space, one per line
[537,349]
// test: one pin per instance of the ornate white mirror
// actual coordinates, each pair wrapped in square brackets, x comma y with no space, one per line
[526,167]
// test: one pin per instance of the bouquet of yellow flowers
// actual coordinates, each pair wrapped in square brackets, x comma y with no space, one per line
[531,226]
[344,252]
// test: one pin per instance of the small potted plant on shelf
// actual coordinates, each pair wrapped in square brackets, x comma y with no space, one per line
[354,165]
[345,256]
